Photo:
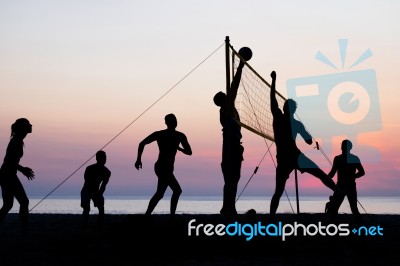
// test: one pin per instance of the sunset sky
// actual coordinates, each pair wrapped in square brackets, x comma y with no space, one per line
[81,71]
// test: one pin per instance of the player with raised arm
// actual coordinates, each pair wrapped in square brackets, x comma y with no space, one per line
[232,149]
[289,157]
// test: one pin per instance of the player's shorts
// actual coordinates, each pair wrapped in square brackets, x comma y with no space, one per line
[86,197]
[287,164]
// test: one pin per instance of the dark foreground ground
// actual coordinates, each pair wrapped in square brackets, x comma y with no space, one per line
[58,239]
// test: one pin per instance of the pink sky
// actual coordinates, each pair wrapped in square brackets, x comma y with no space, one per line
[81,72]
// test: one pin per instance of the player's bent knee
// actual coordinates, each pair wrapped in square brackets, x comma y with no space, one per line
[178,192]
[159,196]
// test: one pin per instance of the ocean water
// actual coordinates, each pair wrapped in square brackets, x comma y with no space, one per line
[208,205]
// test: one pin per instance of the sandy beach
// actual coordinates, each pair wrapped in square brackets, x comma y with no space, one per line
[59,239]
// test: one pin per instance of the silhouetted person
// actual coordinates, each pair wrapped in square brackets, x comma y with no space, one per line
[348,168]
[289,157]
[96,178]
[168,141]
[11,186]
[232,149]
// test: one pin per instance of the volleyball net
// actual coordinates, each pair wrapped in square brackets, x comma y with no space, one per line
[253,98]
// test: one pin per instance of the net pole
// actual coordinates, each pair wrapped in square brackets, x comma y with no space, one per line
[227,64]
[297,191]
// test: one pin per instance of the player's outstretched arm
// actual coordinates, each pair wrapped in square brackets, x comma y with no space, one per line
[149,139]
[138,163]
[274,101]
[304,133]
[26,171]
[232,93]
[186,149]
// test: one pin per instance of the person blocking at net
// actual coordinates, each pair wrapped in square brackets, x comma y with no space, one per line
[348,168]
[232,149]
[289,157]
[96,178]
[169,142]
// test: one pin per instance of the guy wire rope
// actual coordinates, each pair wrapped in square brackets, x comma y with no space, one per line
[126,127]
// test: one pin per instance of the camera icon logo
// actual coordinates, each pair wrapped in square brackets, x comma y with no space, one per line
[338,104]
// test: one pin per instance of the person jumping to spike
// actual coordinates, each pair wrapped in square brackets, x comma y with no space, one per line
[289,157]
[232,149]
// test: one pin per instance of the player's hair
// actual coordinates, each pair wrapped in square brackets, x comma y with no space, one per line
[19,126]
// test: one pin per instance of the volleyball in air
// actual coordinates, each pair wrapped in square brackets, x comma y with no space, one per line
[245,53]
